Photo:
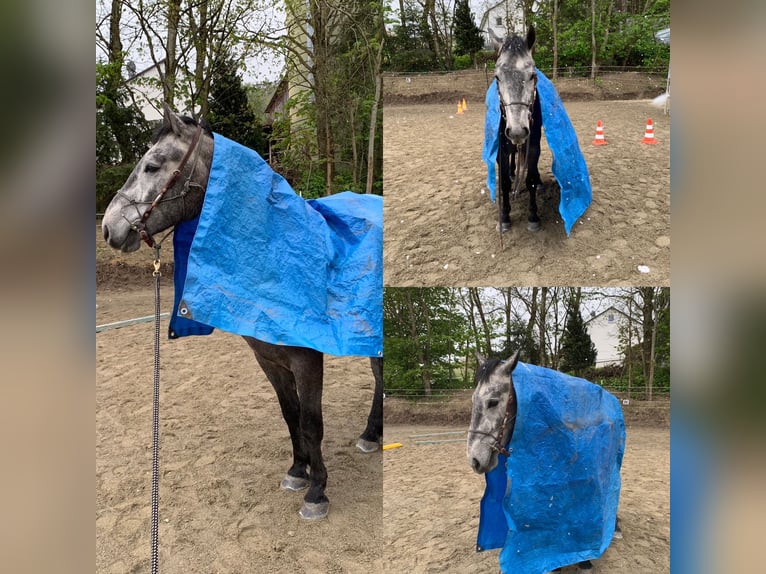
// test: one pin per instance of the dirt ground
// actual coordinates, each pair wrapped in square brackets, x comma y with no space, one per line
[439,223]
[224,449]
[431,505]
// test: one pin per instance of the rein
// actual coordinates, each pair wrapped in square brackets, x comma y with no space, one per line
[140,225]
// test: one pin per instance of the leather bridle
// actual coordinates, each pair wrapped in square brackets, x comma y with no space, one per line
[140,225]
[497,442]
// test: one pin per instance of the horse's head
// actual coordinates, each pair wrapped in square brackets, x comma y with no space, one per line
[493,413]
[516,83]
[167,185]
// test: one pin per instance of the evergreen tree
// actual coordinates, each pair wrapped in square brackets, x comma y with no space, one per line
[577,349]
[122,133]
[229,112]
[468,39]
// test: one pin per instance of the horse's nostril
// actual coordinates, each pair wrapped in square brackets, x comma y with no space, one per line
[475,464]
[105,231]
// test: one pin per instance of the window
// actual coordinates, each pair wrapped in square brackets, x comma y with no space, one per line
[499,21]
[610,318]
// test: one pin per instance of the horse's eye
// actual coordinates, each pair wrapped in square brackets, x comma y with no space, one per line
[492,403]
[149,168]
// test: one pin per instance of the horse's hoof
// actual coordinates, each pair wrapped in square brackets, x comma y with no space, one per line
[504,228]
[314,510]
[617,535]
[367,445]
[534,226]
[293,483]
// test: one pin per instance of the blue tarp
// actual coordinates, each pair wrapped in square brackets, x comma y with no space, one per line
[554,501]
[261,261]
[568,167]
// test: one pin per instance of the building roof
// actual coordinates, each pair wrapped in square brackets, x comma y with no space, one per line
[607,310]
[145,70]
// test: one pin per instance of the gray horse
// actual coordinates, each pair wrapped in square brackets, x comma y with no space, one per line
[521,123]
[493,418]
[168,186]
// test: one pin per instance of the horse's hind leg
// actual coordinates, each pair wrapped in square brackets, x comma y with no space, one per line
[309,379]
[617,530]
[369,441]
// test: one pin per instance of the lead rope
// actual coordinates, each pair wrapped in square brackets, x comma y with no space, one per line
[156,415]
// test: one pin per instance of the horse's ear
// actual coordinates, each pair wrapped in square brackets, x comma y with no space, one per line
[480,358]
[170,119]
[530,37]
[510,364]
[497,41]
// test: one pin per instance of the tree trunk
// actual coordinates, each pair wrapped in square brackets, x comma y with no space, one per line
[508,300]
[424,369]
[531,324]
[114,81]
[650,381]
[200,39]
[374,117]
[593,39]
[647,312]
[115,42]
[426,356]
[555,23]
[630,345]
[321,71]
[169,83]
[542,327]
[487,336]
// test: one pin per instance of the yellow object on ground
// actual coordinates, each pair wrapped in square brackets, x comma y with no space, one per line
[392,445]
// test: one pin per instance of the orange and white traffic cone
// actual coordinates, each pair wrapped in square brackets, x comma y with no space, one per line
[459,108]
[599,134]
[649,133]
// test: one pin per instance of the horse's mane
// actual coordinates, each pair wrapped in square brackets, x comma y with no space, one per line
[485,370]
[515,44]
[164,129]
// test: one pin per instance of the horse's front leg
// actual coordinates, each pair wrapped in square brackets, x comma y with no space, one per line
[506,162]
[283,382]
[533,181]
[369,441]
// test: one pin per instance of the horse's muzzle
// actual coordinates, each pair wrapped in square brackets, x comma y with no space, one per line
[517,137]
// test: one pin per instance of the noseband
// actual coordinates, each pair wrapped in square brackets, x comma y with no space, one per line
[497,442]
[140,225]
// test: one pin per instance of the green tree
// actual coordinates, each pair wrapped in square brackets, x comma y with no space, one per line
[577,349]
[229,111]
[425,336]
[468,39]
[122,133]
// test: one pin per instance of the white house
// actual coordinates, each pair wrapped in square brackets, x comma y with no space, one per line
[503,18]
[147,91]
[604,331]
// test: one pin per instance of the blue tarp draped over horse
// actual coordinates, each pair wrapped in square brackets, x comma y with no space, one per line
[554,501]
[568,167]
[260,261]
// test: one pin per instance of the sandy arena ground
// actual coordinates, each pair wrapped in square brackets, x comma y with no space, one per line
[224,449]
[439,226]
[431,506]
